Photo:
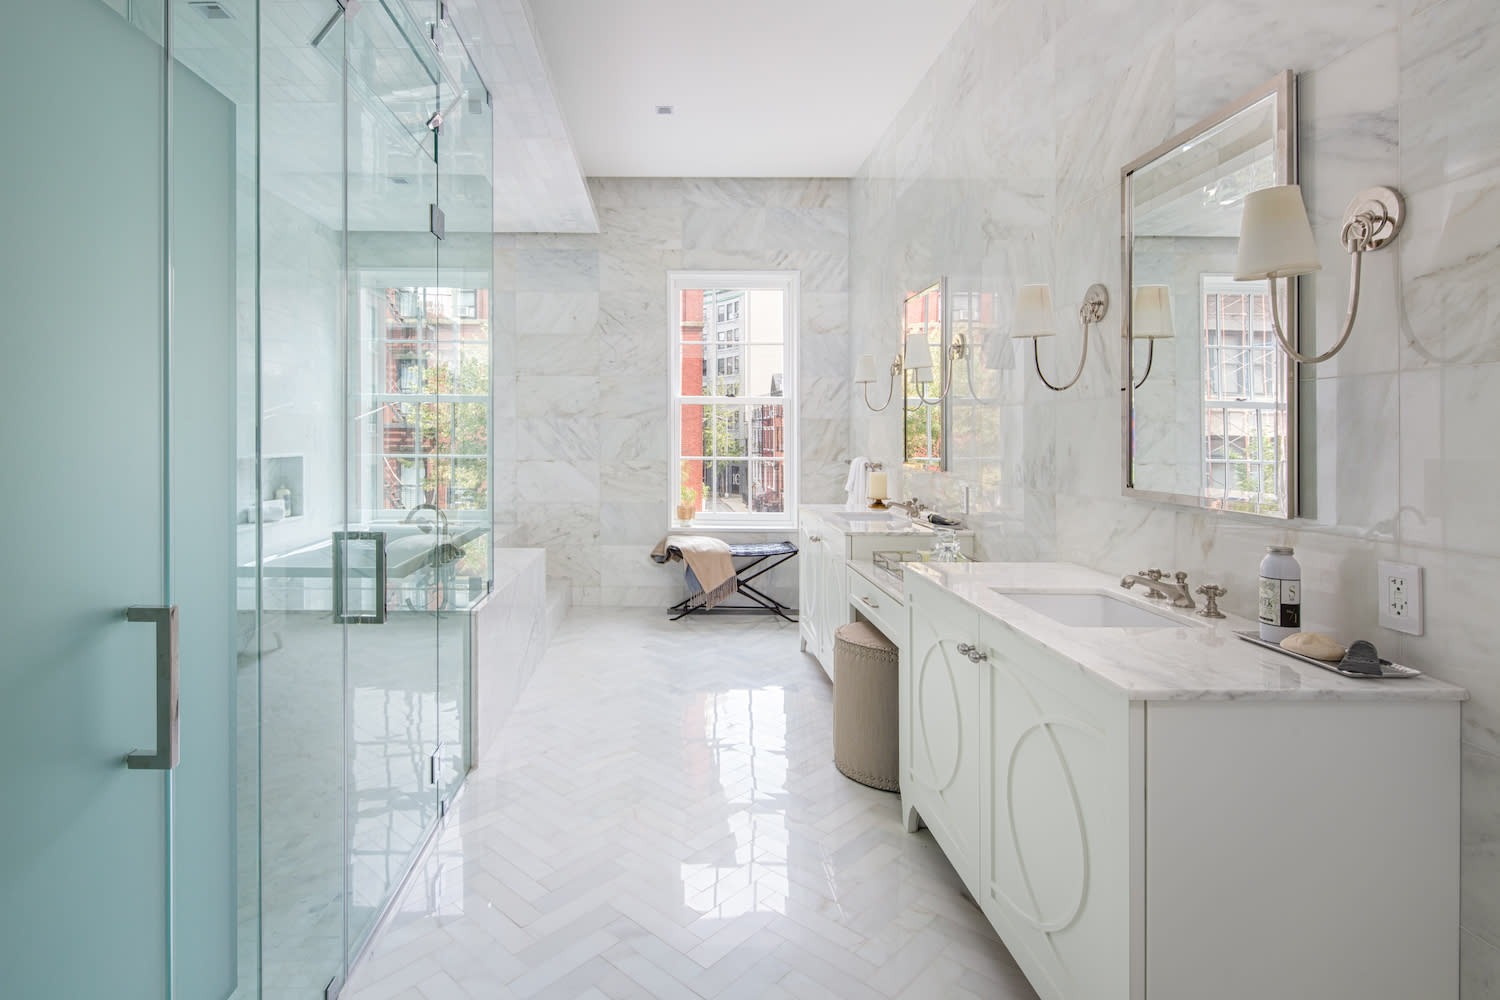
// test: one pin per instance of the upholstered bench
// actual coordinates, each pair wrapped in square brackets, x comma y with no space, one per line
[757,553]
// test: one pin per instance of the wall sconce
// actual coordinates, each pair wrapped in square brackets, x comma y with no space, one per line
[1034,319]
[1276,241]
[917,347]
[864,374]
[1150,320]
[916,356]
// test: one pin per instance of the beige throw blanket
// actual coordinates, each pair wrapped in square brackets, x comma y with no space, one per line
[709,560]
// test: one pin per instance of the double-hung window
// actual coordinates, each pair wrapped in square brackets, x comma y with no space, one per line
[733,405]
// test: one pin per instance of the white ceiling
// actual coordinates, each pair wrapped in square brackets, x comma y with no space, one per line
[777,88]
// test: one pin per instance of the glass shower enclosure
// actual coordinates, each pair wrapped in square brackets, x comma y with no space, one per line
[249,276]
[376,255]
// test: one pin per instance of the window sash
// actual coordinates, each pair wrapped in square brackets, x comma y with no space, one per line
[711,340]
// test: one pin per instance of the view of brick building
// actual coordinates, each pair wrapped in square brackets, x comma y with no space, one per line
[732,456]
[433,417]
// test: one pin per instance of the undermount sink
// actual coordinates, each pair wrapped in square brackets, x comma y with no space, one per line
[1089,609]
[870,515]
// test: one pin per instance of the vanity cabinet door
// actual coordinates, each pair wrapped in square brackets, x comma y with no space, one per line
[940,709]
[1056,868]
[835,583]
[809,586]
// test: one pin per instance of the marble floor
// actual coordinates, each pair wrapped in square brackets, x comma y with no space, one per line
[662,818]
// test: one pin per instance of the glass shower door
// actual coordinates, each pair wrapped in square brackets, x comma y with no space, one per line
[465,262]
[391,488]
[116,708]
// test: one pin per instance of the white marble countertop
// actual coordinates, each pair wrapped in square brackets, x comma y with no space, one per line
[837,517]
[1202,659]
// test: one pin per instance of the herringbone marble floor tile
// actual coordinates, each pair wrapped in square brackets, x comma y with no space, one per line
[663,819]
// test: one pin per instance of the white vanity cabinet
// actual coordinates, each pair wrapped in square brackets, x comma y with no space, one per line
[827,539]
[939,709]
[1171,813]
[1056,763]
[812,587]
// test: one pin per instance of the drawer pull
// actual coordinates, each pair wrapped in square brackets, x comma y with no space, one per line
[814,538]
[868,602]
[972,652]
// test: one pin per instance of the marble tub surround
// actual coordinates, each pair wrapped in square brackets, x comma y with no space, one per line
[582,365]
[1191,659]
[1003,170]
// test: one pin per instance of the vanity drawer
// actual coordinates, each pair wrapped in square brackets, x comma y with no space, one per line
[883,611]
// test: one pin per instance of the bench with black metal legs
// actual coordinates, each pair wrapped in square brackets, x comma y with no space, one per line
[759,555]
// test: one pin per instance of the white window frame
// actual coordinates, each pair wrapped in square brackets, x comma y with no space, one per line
[789,283]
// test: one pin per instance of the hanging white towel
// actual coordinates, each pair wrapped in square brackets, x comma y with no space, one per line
[858,484]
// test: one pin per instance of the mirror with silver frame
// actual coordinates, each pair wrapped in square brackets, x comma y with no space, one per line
[924,407]
[1210,412]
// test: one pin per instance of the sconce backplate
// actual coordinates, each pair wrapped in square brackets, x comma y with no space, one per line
[1095,304]
[1383,211]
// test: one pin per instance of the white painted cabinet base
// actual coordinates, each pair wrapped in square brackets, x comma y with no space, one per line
[1186,849]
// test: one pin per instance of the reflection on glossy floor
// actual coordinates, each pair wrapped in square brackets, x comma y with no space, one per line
[663,818]
[399,712]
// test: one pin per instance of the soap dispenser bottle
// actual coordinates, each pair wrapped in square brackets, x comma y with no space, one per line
[1280,594]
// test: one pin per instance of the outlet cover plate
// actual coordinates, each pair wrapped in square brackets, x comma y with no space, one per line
[1399,597]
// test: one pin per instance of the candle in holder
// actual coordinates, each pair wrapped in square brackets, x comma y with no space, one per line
[878,486]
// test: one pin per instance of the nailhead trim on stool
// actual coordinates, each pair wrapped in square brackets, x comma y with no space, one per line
[865,724]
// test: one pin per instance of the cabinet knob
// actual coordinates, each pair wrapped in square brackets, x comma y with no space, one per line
[814,538]
[972,652]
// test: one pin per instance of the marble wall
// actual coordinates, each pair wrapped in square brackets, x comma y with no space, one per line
[581,366]
[1003,169]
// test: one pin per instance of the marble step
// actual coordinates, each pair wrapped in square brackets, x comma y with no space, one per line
[559,601]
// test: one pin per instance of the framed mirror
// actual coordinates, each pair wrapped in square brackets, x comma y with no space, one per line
[1210,412]
[924,409]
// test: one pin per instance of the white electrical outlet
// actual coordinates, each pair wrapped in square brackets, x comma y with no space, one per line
[1399,597]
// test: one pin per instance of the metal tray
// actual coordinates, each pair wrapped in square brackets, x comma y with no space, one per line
[890,560]
[1387,668]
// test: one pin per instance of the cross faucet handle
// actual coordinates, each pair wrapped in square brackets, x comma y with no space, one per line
[1154,574]
[1211,593]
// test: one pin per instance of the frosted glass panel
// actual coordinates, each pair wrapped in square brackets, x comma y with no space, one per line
[208,167]
[83,845]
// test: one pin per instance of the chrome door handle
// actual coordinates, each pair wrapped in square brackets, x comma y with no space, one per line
[341,582]
[165,756]
[972,652]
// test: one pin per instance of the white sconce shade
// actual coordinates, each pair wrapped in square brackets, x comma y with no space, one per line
[864,369]
[1034,312]
[1276,240]
[918,353]
[919,356]
[1151,313]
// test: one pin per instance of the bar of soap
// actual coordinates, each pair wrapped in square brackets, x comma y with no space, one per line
[1314,644]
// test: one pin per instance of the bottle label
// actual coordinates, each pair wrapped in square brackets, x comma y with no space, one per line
[1281,602]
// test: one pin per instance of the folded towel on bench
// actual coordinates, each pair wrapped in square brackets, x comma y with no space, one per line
[708,558]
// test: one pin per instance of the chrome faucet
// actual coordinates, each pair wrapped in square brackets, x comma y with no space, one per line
[1158,589]
[913,507]
[439,518]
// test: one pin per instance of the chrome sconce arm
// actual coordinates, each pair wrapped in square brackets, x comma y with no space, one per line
[1093,310]
[1150,357]
[957,351]
[895,373]
[1276,238]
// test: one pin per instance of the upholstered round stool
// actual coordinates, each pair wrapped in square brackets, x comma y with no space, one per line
[865,733]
